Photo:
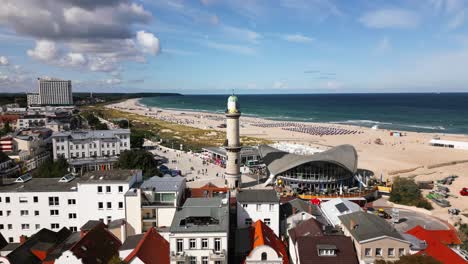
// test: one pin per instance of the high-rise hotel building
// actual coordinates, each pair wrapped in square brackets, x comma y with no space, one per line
[52,92]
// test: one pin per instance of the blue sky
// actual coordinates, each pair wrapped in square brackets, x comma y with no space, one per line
[214,46]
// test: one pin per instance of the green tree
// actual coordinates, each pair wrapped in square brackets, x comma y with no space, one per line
[52,169]
[138,159]
[412,259]
[137,137]
[406,191]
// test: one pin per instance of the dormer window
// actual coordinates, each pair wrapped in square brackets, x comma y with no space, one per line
[327,250]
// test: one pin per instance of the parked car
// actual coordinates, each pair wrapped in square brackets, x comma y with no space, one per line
[464,192]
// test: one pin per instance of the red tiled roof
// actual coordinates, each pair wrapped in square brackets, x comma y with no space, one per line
[437,244]
[8,118]
[263,235]
[152,248]
[208,188]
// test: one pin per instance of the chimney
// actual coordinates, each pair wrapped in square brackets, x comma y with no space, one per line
[23,239]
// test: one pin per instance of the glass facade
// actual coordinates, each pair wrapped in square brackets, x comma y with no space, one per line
[318,176]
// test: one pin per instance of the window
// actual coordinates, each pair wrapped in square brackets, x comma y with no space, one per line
[244,205]
[99,189]
[108,189]
[10,226]
[401,252]
[72,216]
[217,244]
[180,245]
[167,198]
[100,205]
[23,200]
[192,243]
[109,205]
[1,213]
[25,226]
[204,260]
[7,199]
[204,243]
[368,252]
[267,221]
[272,207]
[8,212]
[53,200]
[54,226]
[120,205]
[1,226]
[109,219]
[248,221]
[54,212]
[36,213]
[35,199]
[73,228]
[378,252]
[193,260]
[259,207]
[71,201]
[120,189]
[391,252]
[24,212]
[264,256]
[38,226]
[10,239]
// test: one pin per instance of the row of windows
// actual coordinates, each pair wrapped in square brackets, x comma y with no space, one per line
[109,205]
[53,212]
[204,260]
[91,145]
[248,221]
[379,252]
[53,200]
[37,226]
[109,189]
[193,244]
[259,207]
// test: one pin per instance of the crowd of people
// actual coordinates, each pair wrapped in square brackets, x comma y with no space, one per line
[309,129]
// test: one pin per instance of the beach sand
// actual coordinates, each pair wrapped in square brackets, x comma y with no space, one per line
[410,152]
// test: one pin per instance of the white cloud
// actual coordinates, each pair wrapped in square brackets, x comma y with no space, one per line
[148,42]
[390,18]
[45,50]
[241,34]
[279,85]
[298,38]
[244,50]
[457,20]
[383,46]
[114,81]
[75,59]
[4,60]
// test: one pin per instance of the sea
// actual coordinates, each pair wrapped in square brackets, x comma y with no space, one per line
[418,112]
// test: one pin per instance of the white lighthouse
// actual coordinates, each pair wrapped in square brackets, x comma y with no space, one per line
[233,148]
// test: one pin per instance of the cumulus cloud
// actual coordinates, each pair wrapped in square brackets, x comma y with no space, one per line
[390,18]
[148,42]
[96,35]
[298,38]
[4,60]
[45,50]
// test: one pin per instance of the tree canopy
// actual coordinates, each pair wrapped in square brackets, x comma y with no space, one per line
[406,191]
[52,169]
[138,159]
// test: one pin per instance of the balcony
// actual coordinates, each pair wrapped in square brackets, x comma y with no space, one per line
[178,256]
[218,256]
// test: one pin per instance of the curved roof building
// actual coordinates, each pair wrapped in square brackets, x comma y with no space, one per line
[330,170]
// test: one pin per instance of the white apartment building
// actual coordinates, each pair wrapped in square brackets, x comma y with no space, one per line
[253,205]
[28,204]
[33,99]
[90,143]
[154,203]
[29,121]
[199,232]
[54,92]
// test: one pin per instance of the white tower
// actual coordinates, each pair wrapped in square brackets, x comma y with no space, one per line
[233,148]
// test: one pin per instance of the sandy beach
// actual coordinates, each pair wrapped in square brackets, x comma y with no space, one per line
[409,155]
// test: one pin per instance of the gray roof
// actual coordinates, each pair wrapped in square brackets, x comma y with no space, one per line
[38,185]
[279,161]
[108,175]
[88,134]
[254,196]
[166,183]
[247,151]
[131,242]
[368,226]
[214,208]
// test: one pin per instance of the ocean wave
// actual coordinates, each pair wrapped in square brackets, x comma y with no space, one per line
[361,122]
[425,127]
